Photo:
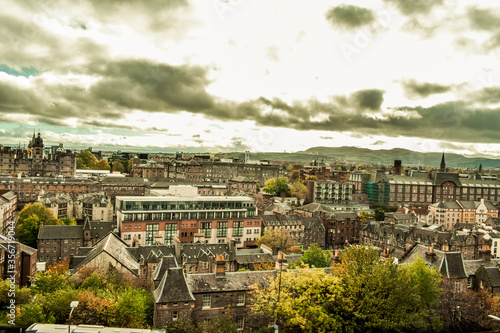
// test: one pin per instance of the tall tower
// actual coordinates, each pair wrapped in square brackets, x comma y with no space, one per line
[443,164]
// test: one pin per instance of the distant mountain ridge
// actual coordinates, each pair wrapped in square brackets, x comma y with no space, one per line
[407,157]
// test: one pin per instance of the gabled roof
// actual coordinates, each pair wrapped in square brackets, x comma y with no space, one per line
[452,265]
[173,287]
[60,232]
[114,247]
[493,276]
[166,262]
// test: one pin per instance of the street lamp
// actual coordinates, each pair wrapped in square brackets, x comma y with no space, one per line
[73,305]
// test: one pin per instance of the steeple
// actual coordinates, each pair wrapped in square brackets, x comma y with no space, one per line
[443,164]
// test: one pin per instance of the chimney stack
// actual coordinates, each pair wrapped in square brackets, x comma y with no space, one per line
[220,270]
[430,256]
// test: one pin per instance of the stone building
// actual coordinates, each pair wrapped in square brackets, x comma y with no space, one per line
[330,192]
[58,242]
[35,162]
[8,206]
[206,296]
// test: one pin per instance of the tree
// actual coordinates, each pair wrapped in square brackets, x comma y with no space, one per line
[102,165]
[467,310]
[86,160]
[297,298]
[294,176]
[131,308]
[311,178]
[28,222]
[277,187]
[379,295]
[365,216]
[315,257]
[277,240]
[299,190]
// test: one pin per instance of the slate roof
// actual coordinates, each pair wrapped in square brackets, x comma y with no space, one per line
[343,216]
[452,266]
[253,258]
[144,251]
[232,281]
[9,195]
[316,207]
[116,248]
[471,266]
[173,287]
[166,262]
[60,232]
[493,276]
[191,253]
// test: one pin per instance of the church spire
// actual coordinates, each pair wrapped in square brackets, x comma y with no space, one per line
[443,164]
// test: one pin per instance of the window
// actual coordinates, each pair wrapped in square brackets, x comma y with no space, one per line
[206,301]
[170,232]
[237,228]
[241,299]
[222,229]
[175,315]
[206,229]
[151,231]
[240,321]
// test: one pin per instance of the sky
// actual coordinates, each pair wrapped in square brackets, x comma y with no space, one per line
[257,75]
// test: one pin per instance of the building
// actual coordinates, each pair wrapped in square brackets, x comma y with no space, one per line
[206,296]
[8,206]
[22,265]
[61,205]
[329,192]
[96,206]
[451,213]
[34,161]
[149,220]
[58,242]
[341,229]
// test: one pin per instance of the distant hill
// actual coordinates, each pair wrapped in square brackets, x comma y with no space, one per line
[408,157]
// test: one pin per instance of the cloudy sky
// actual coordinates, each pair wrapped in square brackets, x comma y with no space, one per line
[258,75]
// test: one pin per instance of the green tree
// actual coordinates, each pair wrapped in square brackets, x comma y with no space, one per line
[315,257]
[297,298]
[379,295]
[294,176]
[48,282]
[277,240]
[86,160]
[277,186]
[299,190]
[365,216]
[311,178]
[28,222]
[102,165]
[131,308]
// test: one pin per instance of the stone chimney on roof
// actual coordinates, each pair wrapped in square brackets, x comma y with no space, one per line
[220,270]
[430,255]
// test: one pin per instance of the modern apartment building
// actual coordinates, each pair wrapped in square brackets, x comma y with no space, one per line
[156,220]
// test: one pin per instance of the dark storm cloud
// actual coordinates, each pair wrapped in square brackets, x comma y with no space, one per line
[486,20]
[20,36]
[350,17]
[411,7]
[414,89]
[124,86]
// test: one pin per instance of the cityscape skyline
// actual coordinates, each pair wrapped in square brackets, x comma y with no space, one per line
[265,77]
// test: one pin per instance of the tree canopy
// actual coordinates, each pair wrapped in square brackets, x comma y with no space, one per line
[87,160]
[28,222]
[299,190]
[362,294]
[315,257]
[277,240]
[277,186]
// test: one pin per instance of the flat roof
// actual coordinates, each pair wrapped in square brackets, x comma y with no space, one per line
[183,198]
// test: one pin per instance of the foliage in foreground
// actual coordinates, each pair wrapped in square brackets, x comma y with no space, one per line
[362,294]
[105,298]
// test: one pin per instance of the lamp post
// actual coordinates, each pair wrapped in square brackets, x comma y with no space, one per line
[73,305]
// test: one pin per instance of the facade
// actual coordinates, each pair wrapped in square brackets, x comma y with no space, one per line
[304,230]
[451,213]
[34,161]
[206,170]
[425,188]
[329,192]
[207,296]
[8,206]
[151,220]
[96,206]
[21,264]
[58,242]
[61,205]
[342,229]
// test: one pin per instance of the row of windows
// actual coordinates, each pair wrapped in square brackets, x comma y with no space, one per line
[186,216]
[185,205]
